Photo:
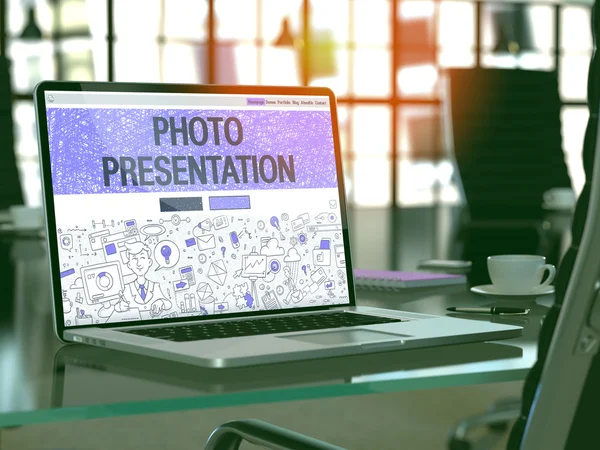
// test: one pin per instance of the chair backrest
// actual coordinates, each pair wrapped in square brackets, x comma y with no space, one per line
[506,139]
[562,391]
[11,193]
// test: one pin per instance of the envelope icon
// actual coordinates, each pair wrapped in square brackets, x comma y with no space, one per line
[206,242]
[217,272]
[332,204]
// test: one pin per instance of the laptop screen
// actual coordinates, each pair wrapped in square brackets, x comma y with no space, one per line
[187,205]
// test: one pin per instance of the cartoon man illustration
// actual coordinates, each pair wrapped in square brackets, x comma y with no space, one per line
[142,293]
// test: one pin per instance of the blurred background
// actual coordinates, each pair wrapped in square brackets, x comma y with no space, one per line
[383,58]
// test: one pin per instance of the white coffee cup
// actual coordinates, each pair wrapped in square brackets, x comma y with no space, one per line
[516,274]
[559,198]
[26,217]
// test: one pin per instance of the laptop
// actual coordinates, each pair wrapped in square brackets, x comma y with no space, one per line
[207,225]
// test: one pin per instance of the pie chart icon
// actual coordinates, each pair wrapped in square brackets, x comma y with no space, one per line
[104,281]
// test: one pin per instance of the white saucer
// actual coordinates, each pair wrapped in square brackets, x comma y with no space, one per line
[559,206]
[490,289]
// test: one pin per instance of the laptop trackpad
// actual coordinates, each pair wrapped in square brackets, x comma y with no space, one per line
[344,337]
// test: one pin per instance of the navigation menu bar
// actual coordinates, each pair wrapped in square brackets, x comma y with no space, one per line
[59,99]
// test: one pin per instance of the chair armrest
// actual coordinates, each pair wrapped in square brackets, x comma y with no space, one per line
[230,435]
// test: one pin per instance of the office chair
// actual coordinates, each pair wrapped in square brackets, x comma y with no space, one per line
[502,129]
[522,409]
[230,436]
[523,108]
[583,431]
[562,391]
[11,193]
[506,138]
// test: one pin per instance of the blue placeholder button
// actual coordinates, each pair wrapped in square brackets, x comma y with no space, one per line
[225,202]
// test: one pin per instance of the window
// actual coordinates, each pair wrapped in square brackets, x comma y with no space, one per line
[383,59]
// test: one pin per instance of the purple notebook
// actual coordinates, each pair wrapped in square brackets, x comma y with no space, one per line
[389,279]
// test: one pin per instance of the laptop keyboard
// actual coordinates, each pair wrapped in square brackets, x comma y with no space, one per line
[254,327]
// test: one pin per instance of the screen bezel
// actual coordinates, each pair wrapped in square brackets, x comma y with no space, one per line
[151,88]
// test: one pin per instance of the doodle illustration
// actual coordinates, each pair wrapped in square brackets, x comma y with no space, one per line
[270,300]
[274,266]
[272,248]
[175,220]
[297,224]
[139,278]
[187,274]
[326,217]
[96,239]
[340,256]
[275,223]
[221,308]
[220,222]
[322,253]
[205,292]
[102,283]
[244,298]
[189,305]
[142,293]
[77,284]
[166,254]
[81,318]
[205,225]
[67,304]
[206,242]
[66,241]
[292,262]
[218,272]
[152,230]
[254,266]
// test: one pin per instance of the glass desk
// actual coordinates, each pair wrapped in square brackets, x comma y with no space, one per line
[42,380]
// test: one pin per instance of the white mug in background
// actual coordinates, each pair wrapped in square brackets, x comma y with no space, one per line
[559,198]
[26,217]
[519,274]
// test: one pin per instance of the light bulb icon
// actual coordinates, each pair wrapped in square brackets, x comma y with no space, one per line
[166,252]
[275,223]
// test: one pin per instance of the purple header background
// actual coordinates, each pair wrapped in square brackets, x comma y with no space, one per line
[80,137]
